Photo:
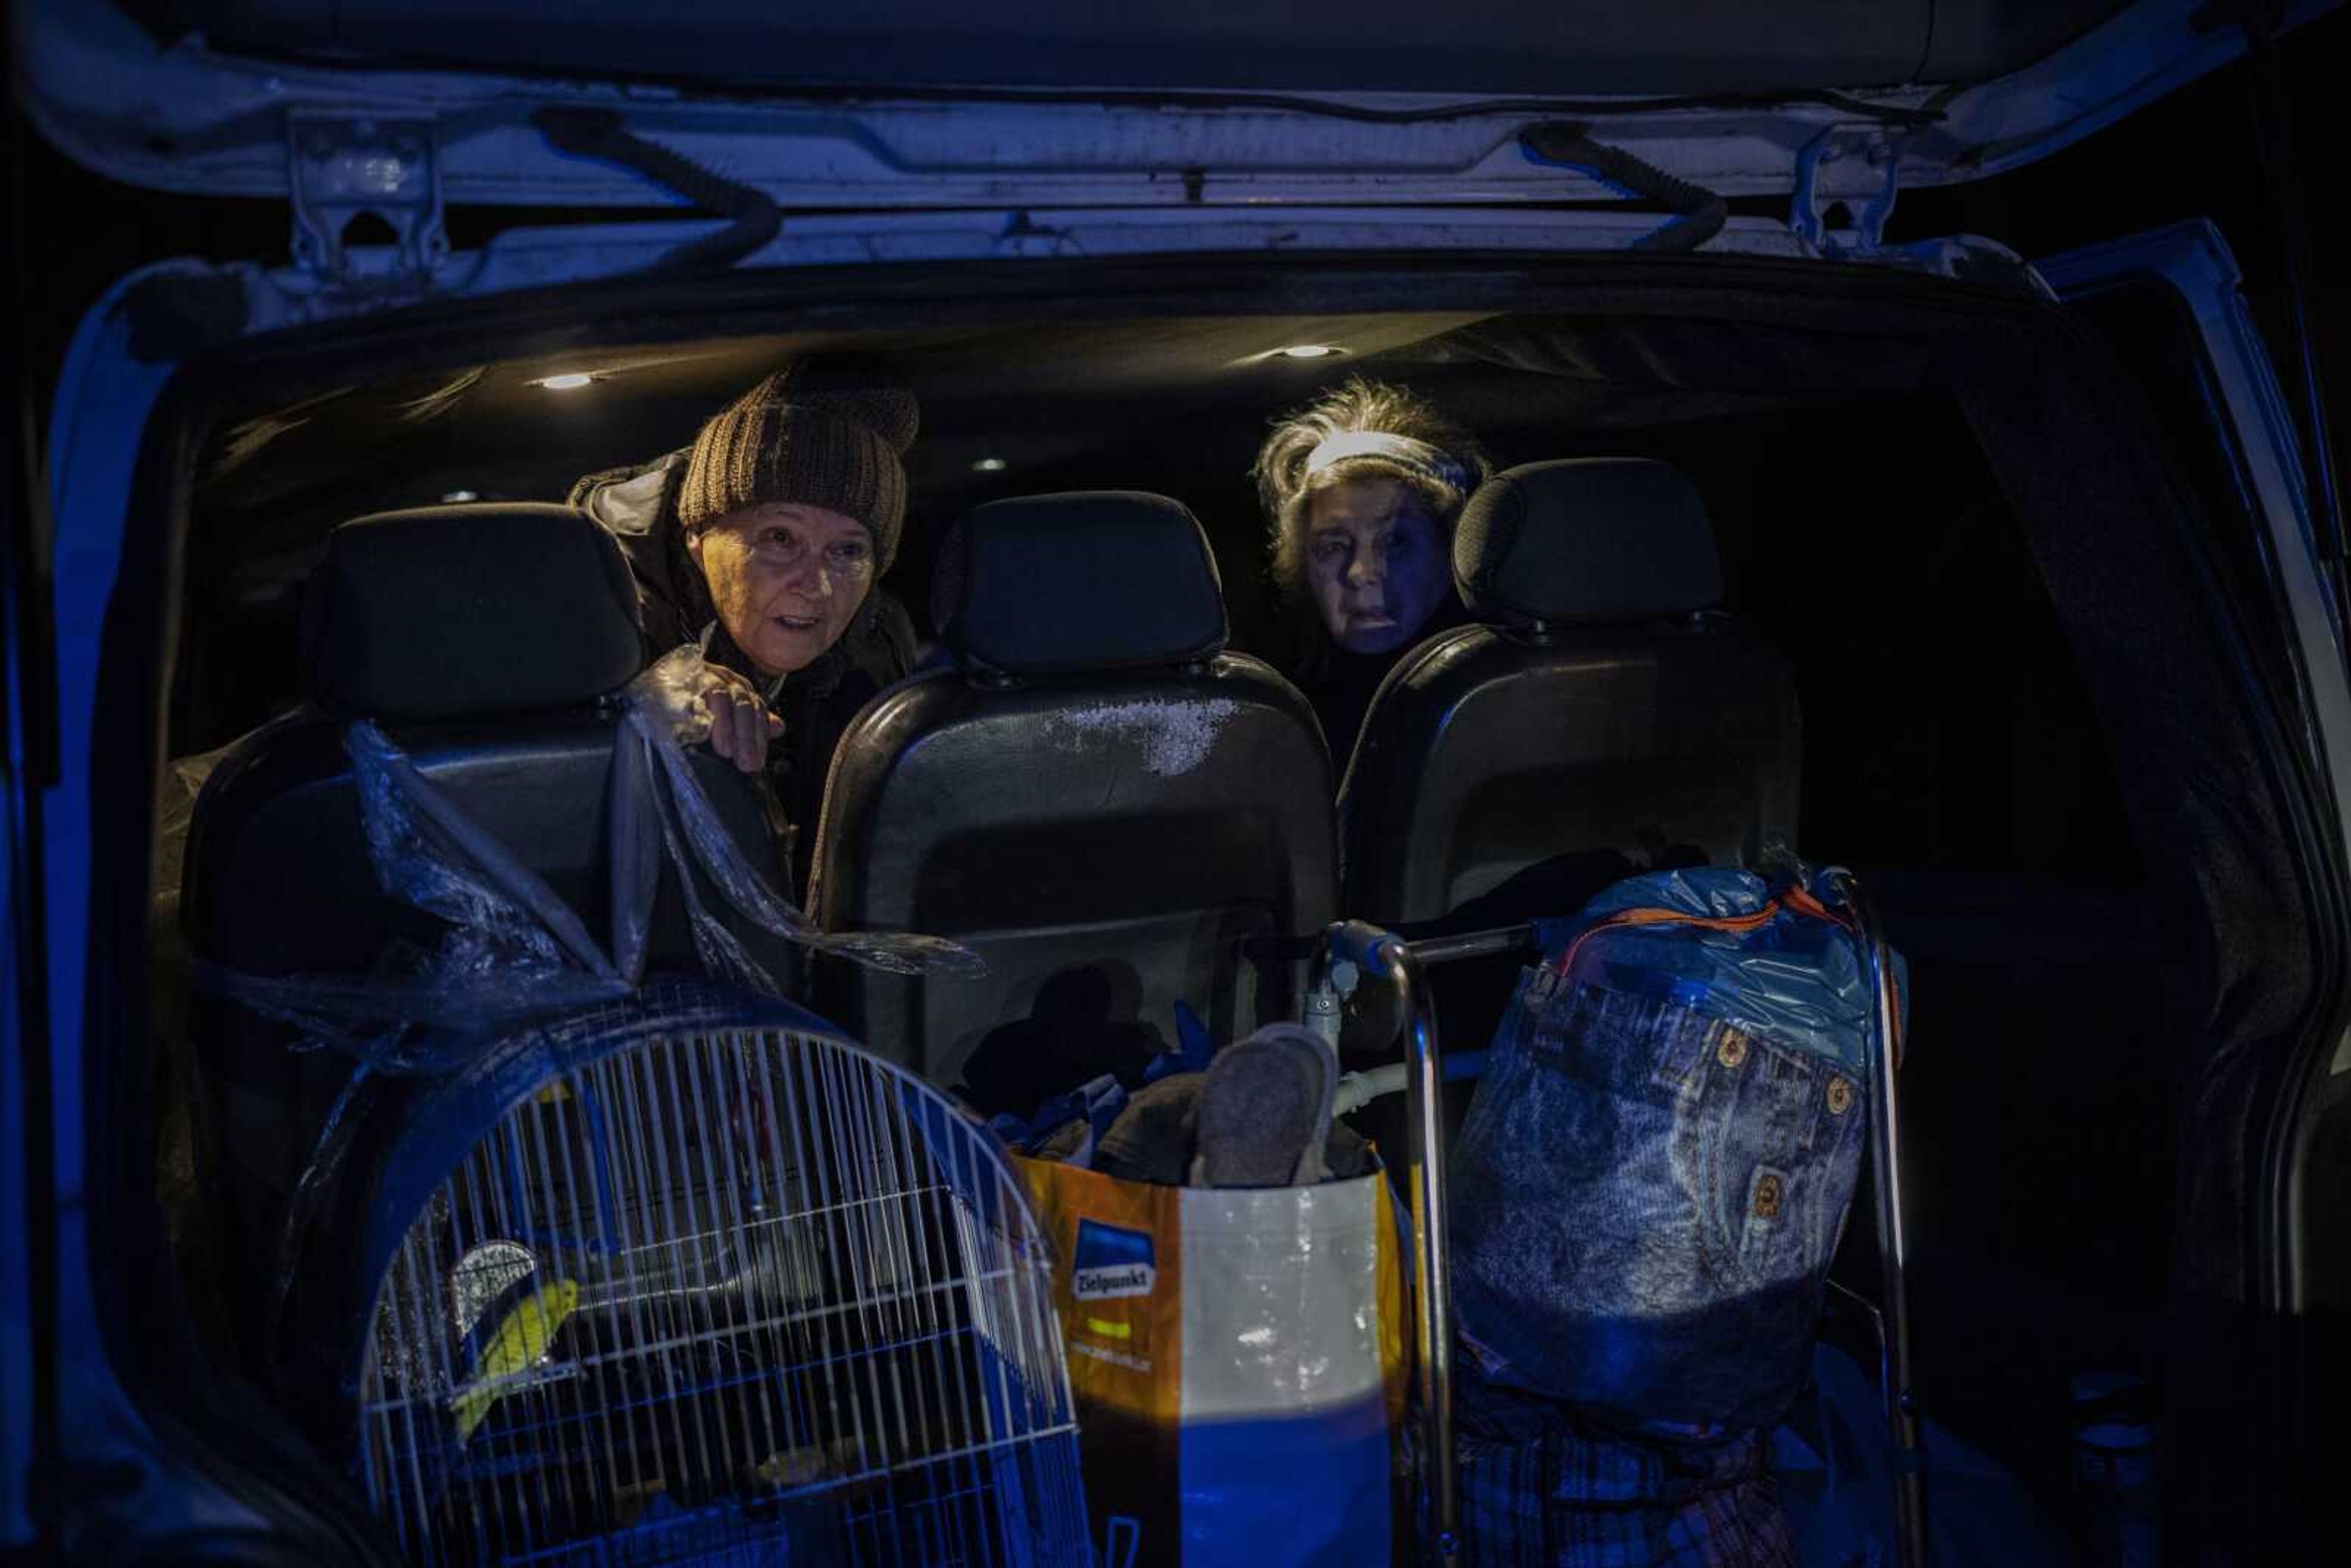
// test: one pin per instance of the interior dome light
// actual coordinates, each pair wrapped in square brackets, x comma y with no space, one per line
[989,465]
[455,498]
[571,381]
[1309,351]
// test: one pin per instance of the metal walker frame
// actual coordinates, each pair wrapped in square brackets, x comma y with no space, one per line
[1404,965]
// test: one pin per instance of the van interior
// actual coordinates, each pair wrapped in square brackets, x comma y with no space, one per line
[2013,595]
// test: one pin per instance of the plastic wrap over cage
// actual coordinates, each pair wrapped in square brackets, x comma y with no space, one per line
[658,796]
[719,1294]
[513,949]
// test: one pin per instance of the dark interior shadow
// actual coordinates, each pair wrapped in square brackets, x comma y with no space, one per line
[1084,1022]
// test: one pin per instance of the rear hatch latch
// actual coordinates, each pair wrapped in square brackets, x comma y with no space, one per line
[344,164]
[1853,166]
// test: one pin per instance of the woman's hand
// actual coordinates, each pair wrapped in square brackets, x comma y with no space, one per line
[740,724]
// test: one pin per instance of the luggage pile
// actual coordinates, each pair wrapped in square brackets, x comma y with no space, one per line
[1617,1271]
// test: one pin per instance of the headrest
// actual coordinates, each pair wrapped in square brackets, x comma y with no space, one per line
[1095,580]
[449,611]
[1583,541]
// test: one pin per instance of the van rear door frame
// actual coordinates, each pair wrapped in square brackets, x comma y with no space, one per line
[2302,1254]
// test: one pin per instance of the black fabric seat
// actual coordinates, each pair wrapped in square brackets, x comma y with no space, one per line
[1115,812]
[1595,719]
[487,641]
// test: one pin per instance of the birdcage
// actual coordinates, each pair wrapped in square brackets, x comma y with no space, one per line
[733,1296]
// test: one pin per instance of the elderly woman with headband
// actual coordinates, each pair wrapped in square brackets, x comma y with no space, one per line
[1361,488]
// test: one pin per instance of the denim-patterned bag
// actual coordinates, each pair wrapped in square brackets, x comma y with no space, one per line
[1656,1169]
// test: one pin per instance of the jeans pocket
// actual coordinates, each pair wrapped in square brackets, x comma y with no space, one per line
[1700,1063]
[1771,1151]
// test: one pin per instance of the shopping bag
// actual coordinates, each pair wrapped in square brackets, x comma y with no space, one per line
[1238,1360]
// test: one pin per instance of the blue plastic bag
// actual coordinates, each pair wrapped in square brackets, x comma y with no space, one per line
[1656,1168]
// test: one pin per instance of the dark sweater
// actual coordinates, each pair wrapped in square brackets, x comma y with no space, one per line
[1341,685]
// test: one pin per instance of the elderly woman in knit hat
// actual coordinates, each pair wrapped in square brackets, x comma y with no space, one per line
[1361,488]
[763,542]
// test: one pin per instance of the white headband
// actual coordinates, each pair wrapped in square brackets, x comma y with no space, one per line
[1419,455]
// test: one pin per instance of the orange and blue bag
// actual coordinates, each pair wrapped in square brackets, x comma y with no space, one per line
[1238,1360]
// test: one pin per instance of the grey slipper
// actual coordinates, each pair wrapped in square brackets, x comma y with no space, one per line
[1264,1112]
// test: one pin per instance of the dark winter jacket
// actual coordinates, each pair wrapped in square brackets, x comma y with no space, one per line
[1341,685]
[639,506]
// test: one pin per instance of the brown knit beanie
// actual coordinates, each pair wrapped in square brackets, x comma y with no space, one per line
[820,432]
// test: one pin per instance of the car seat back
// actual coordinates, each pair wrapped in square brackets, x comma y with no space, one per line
[1115,812]
[1596,719]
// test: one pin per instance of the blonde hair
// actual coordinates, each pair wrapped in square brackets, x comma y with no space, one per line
[1286,482]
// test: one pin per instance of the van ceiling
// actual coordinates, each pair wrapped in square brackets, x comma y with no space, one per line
[1032,400]
[1705,47]
[1092,376]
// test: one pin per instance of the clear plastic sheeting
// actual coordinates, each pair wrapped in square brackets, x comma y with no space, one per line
[513,949]
[664,714]
[428,855]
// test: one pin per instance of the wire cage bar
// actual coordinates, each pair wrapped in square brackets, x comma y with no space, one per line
[750,1296]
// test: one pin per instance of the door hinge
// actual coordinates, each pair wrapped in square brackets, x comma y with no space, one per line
[343,165]
[1853,165]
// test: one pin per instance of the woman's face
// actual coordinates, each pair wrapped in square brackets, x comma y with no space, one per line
[785,579]
[1376,563]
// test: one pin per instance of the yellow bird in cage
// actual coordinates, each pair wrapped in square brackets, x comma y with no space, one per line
[521,1339]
